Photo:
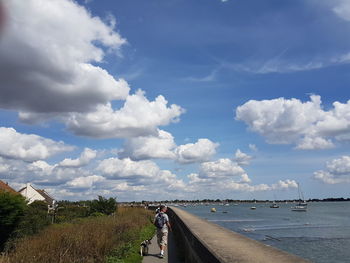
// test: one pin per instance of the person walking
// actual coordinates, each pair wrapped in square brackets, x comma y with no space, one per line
[161,221]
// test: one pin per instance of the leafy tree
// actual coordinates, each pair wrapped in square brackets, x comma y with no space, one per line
[12,209]
[104,205]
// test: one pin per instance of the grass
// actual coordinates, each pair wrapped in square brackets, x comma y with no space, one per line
[108,239]
[130,251]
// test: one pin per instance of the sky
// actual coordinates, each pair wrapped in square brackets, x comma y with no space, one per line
[176,99]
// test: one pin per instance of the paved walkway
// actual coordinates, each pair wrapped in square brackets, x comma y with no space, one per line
[170,255]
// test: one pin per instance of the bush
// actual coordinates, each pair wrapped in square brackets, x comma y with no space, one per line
[69,212]
[35,219]
[12,208]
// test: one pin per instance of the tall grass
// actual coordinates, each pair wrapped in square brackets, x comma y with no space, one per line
[85,241]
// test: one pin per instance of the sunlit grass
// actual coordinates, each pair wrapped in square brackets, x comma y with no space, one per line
[102,239]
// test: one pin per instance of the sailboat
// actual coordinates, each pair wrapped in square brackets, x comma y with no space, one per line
[274,204]
[302,205]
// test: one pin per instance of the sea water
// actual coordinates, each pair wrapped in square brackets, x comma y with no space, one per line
[322,234]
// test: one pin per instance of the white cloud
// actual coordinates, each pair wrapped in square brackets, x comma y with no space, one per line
[125,187]
[220,168]
[244,187]
[337,171]
[138,117]
[200,151]
[139,173]
[46,58]
[28,147]
[307,125]
[310,143]
[41,168]
[86,156]
[283,185]
[115,168]
[342,9]
[140,148]
[163,146]
[242,158]
[85,182]
[43,173]
[253,147]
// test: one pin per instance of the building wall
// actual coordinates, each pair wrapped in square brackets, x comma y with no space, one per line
[31,194]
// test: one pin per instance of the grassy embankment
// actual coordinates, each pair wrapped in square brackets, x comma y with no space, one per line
[108,239]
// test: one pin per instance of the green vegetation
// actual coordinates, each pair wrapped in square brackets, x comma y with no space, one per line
[130,251]
[103,205]
[12,209]
[111,239]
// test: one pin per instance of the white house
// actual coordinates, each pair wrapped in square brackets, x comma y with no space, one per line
[32,194]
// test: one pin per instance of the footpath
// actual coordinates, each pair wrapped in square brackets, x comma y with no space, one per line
[170,255]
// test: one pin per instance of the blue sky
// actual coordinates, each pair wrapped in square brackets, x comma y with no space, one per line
[147,100]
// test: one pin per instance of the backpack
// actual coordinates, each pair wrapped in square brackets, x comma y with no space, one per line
[159,222]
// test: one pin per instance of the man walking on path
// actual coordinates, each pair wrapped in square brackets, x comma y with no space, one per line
[161,221]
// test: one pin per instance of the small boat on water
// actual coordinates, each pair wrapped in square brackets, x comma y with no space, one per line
[301,206]
[274,205]
[213,210]
[253,208]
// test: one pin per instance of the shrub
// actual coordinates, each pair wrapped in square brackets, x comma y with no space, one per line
[12,208]
[69,212]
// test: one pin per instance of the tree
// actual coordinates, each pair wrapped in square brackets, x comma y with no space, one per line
[12,209]
[103,205]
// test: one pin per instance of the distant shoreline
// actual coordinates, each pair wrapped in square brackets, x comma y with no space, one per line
[230,201]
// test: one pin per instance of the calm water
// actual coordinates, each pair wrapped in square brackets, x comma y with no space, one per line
[322,234]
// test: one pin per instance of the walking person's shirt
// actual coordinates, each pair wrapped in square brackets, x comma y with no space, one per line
[165,220]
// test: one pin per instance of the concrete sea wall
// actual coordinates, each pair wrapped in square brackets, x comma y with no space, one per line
[203,242]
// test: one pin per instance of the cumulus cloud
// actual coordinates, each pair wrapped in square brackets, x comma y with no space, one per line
[43,173]
[86,156]
[337,171]
[233,181]
[245,187]
[28,147]
[138,173]
[242,158]
[291,121]
[138,117]
[46,58]
[163,146]
[85,182]
[220,168]
[49,69]
[200,151]
[149,147]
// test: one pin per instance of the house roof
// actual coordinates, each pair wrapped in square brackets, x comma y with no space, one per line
[5,187]
[47,197]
